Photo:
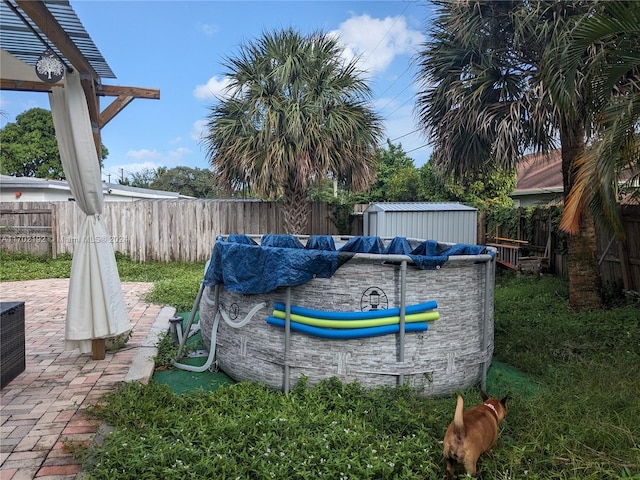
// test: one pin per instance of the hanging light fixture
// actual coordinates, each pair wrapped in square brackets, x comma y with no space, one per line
[49,67]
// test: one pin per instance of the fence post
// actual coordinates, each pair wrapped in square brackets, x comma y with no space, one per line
[54,230]
[624,265]
[481,232]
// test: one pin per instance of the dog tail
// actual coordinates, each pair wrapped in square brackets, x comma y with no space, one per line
[458,421]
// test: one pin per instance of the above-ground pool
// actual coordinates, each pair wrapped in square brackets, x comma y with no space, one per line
[279,307]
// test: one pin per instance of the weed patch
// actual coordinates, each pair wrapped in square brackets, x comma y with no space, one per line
[24,266]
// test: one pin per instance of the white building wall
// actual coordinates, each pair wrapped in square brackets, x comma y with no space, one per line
[24,195]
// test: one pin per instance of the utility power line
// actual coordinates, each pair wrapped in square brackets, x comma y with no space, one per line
[417,148]
[405,135]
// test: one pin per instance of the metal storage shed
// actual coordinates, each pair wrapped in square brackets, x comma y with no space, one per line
[444,222]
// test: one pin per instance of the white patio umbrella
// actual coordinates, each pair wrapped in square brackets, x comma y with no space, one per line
[95,304]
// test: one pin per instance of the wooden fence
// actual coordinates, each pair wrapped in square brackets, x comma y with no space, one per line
[620,262]
[186,230]
[155,230]
[538,236]
[26,229]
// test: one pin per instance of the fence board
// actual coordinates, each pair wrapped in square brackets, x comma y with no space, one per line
[25,227]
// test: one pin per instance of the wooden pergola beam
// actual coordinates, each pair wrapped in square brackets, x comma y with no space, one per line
[135,92]
[26,86]
[114,108]
[124,95]
[38,12]
[101,90]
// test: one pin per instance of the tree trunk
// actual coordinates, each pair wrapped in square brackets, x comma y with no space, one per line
[585,288]
[296,211]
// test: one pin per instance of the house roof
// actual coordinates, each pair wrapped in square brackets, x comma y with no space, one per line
[30,182]
[540,172]
[7,181]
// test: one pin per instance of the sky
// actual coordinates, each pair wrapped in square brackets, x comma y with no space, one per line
[179,48]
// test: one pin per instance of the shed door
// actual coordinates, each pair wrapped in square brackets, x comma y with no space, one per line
[373,224]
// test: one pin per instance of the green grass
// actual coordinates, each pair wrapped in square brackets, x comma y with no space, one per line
[175,284]
[577,421]
[584,422]
[580,422]
[24,266]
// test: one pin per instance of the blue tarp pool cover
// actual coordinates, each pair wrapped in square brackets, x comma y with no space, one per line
[243,266]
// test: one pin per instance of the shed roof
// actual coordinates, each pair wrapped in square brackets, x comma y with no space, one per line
[419,207]
[22,38]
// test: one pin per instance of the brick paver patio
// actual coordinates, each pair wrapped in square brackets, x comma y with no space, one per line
[41,410]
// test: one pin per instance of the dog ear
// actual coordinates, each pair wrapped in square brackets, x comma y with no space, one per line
[484,395]
[503,401]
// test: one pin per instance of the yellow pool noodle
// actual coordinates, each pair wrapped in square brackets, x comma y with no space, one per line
[374,322]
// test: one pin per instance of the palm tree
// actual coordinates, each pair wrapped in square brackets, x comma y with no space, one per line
[296,112]
[614,35]
[484,100]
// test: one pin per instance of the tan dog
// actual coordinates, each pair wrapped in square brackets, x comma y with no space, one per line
[473,432]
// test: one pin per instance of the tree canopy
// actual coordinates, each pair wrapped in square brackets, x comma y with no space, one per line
[30,148]
[398,180]
[613,33]
[390,162]
[487,95]
[192,182]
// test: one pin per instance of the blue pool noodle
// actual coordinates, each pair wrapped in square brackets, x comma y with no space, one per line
[348,332]
[389,312]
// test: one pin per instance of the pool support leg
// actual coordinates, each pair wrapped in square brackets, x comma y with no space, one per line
[287,340]
[485,324]
[403,305]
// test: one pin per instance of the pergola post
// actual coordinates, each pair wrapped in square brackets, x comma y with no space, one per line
[52,33]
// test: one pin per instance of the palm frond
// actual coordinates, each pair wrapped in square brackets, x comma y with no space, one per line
[298,111]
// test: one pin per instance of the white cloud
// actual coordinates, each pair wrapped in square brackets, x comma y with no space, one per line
[175,156]
[198,130]
[145,159]
[115,173]
[377,41]
[168,158]
[213,88]
[208,29]
[143,154]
